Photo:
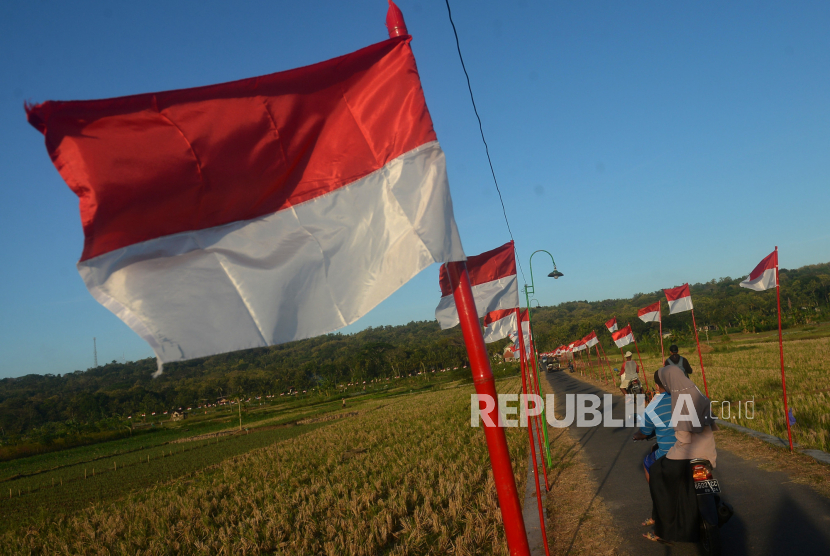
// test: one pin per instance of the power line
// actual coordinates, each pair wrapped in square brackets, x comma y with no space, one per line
[481,129]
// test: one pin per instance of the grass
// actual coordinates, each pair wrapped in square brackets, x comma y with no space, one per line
[410,477]
[747,368]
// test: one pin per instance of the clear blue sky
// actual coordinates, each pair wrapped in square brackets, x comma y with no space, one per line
[645,144]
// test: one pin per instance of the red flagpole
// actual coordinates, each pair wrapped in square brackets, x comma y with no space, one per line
[540,419]
[533,390]
[700,355]
[608,364]
[781,351]
[588,351]
[660,314]
[641,363]
[623,365]
[530,436]
[508,496]
[599,363]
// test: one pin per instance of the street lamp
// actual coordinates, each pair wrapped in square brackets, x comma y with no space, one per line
[528,291]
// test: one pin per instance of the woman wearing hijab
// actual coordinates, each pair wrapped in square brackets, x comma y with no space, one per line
[674,510]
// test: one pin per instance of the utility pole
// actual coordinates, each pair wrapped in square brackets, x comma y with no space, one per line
[239,404]
[95,351]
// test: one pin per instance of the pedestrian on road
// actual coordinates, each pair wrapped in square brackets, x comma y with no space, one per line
[673,496]
[629,372]
[678,360]
[658,422]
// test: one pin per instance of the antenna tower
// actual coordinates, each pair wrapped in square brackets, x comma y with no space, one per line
[95,351]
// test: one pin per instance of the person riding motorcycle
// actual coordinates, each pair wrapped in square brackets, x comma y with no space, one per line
[670,483]
[629,372]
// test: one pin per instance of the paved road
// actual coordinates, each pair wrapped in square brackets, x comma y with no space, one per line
[773,516]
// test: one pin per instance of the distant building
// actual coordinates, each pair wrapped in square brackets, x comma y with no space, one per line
[178,415]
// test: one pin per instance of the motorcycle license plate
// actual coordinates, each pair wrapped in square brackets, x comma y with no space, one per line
[710,486]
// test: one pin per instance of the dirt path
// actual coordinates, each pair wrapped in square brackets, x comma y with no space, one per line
[773,515]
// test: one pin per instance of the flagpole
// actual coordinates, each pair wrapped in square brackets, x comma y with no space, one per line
[700,355]
[660,320]
[543,417]
[599,364]
[529,423]
[530,436]
[623,365]
[781,351]
[608,364]
[588,352]
[508,496]
[531,378]
[641,362]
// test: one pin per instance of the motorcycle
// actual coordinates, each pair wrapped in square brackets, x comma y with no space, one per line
[634,386]
[713,511]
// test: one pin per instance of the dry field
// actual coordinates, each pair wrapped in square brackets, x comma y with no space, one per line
[747,370]
[411,477]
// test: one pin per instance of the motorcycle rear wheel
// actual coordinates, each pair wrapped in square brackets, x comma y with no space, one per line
[710,538]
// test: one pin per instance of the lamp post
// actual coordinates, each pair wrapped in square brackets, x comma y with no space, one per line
[529,290]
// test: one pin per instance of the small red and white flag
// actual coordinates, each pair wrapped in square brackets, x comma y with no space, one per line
[579,345]
[650,313]
[611,325]
[494,281]
[679,299]
[499,324]
[763,277]
[261,211]
[591,339]
[623,337]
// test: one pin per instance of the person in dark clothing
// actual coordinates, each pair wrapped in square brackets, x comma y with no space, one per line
[678,361]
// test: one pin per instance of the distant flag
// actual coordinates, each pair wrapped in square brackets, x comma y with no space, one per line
[591,339]
[650,313]
[763,276]
[611,325]
[679,299]
[623,337]
[494,282]
[260,211]
[499,324]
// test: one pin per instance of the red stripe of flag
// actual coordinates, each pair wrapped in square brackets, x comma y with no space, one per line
[156,164]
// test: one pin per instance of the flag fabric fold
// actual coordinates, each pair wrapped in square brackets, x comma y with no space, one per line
[650,313]
[591,339]
[611,325]
[494,282]
[623,337]
[763,276]
[259,211]
[679,299]
[499,324]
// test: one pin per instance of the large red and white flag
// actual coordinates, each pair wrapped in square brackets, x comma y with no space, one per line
[763,276]
[611,325]
[494,282]
[591,339]
[260,211]
[499,324]
[679,299]
[650,313]
[623,337]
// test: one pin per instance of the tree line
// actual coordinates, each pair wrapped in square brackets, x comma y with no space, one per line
[40,407]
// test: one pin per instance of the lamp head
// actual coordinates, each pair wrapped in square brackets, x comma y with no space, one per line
[555,274]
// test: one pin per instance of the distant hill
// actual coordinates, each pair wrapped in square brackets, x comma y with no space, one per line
[83,398]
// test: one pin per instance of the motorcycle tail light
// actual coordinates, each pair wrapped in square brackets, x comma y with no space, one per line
[701,472]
